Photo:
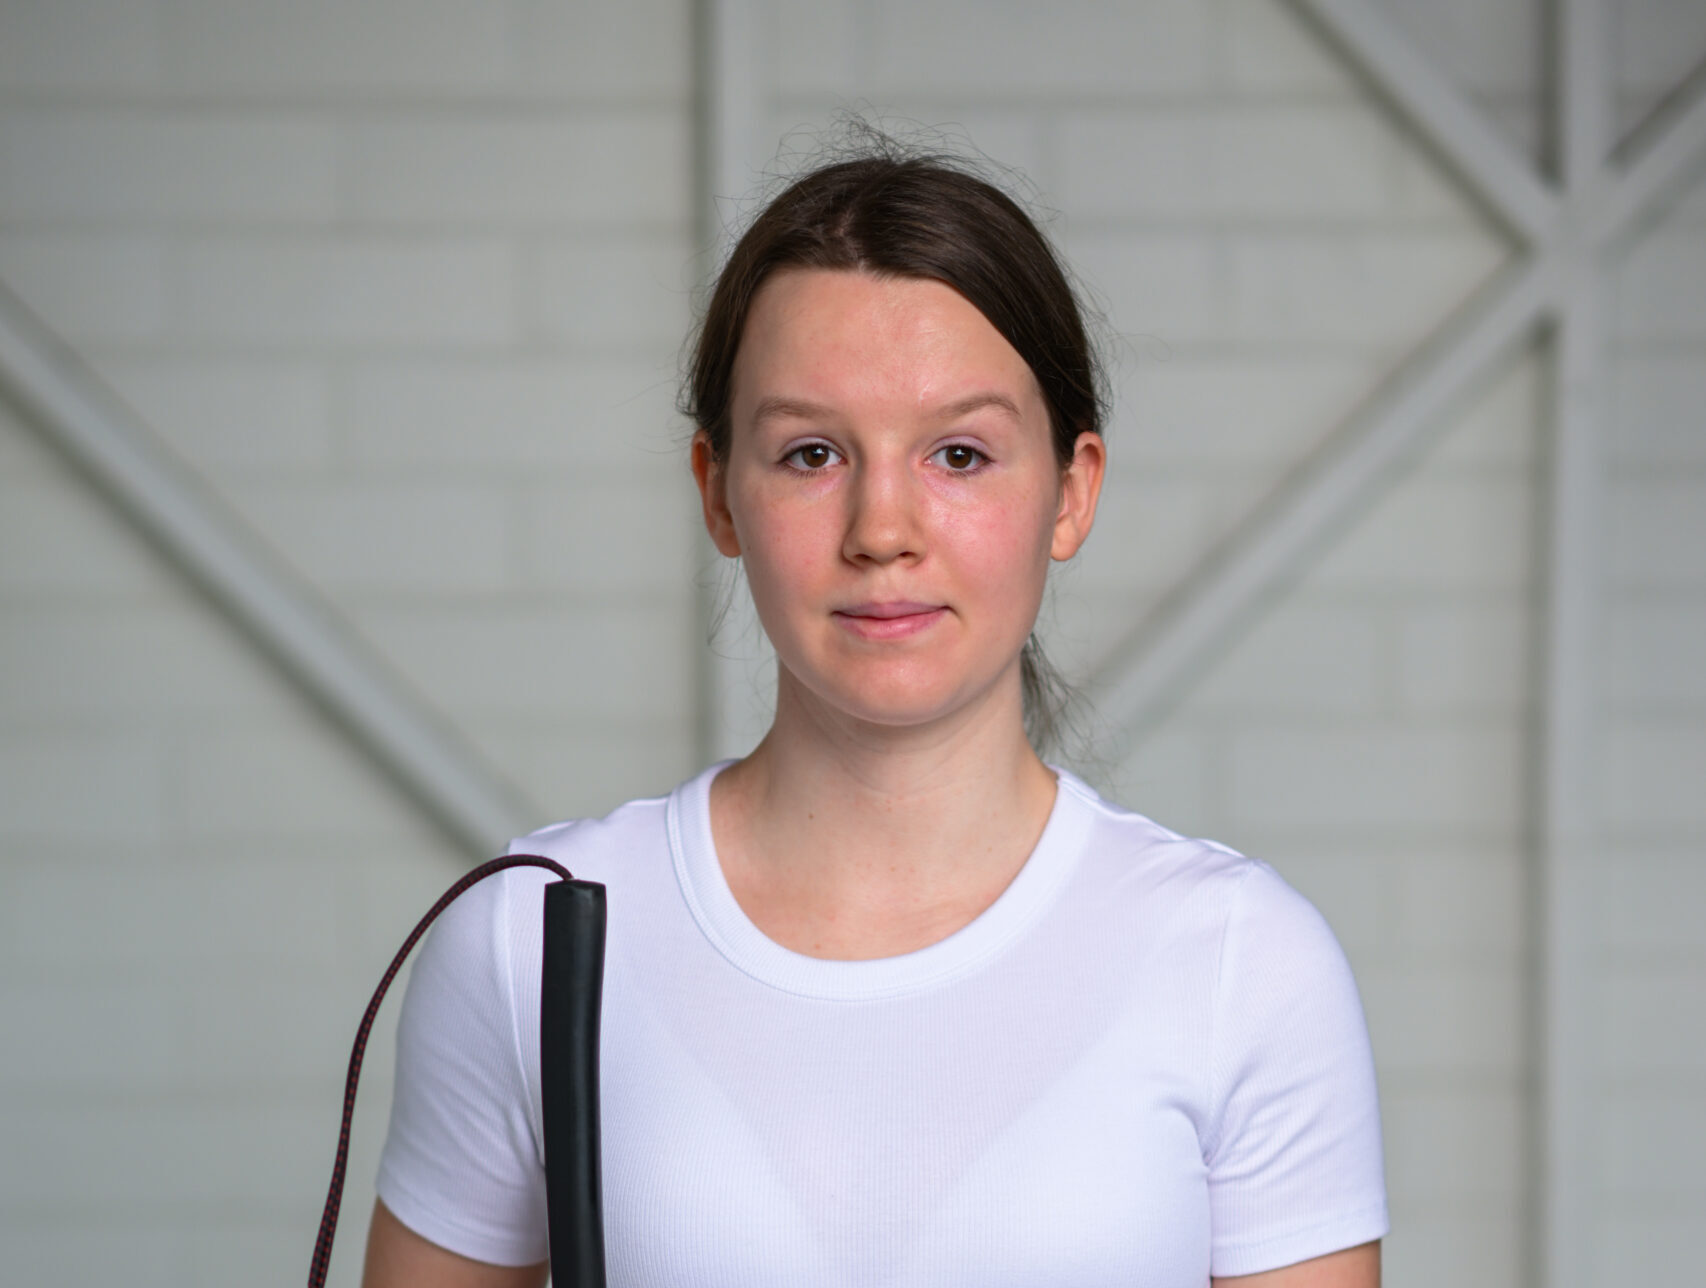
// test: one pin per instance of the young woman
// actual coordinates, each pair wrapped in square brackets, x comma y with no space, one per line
[891,1001]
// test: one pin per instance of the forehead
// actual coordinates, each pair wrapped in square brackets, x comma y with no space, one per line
[852,336]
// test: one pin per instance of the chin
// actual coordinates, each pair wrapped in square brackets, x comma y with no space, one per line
[899,715]
[895,702]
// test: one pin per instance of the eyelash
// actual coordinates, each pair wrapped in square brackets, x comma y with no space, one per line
[792,461]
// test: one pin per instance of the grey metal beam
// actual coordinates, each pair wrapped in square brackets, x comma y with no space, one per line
[1495,172]
[1665,153]
[1139,681]
[1567,817]
[1583,99]
[731,96]
[279,611]
[735,677]
[1564,877]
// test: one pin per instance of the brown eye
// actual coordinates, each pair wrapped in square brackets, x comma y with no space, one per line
[960,458]
[813,456]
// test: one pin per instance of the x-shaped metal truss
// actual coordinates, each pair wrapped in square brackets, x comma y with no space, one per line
[1565,229]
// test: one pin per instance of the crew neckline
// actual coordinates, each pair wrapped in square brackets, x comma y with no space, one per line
[725,923]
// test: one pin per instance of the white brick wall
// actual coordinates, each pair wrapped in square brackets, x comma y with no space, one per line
[433,49]
[371,291]
[1347,291]
[510,414]
[80,46]
[95,167]
[407,283]
[613,168]
[101,289]
[1265,51]
[571,270]
[1656,402]
[239,417]
[641,50]
[1651,1083]
[1656,294]
[1146,47]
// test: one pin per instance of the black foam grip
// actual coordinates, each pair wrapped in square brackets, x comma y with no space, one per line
[571,989]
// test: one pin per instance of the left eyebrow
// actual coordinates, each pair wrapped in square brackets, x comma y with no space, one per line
[977,402]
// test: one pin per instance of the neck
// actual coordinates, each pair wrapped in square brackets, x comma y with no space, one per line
[844,839]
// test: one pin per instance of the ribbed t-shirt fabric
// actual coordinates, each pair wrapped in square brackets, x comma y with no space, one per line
[1143,1064]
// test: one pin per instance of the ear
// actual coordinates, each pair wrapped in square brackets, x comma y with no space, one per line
[1080,487]
[709,474]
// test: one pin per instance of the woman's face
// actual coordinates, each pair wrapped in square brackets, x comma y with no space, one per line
[892,488]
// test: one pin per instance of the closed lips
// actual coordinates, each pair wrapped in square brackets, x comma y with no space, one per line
[889,621]
[883,612]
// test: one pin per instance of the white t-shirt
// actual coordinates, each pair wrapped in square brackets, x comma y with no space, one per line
[1143,1064]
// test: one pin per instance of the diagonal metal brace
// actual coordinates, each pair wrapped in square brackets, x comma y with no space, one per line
[1137,684]
[278,610]
[1451,126]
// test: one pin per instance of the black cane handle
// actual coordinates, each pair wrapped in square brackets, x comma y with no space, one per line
[570,994]
[571,987]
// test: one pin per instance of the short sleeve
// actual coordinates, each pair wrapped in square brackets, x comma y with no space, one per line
[1293,1152]
[461,1164]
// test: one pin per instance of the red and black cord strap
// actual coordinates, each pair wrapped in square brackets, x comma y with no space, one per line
[335,1192]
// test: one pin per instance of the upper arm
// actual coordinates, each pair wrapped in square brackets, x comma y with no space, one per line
[397,1257]
[1293,1148]
[462,1163]
[1357,1267]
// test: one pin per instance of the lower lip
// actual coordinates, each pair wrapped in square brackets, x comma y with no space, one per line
[889,628]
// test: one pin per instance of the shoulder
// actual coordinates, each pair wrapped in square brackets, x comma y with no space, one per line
[1130,854]
[493,922]
[598,849]
[1239,915]
[1126,836]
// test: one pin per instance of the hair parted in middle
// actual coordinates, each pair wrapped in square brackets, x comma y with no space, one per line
[893,213]
[922,217]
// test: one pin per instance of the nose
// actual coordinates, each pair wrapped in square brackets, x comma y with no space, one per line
[883,522]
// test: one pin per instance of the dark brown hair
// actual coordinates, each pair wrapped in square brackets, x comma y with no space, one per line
[917,217]
[925,217]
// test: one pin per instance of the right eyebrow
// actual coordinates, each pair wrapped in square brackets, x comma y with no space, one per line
[779,407]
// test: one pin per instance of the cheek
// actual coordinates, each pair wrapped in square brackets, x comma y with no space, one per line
[1001,546]
[783,545]
[1017,519]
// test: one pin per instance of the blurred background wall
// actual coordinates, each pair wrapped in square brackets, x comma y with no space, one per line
[400,285]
